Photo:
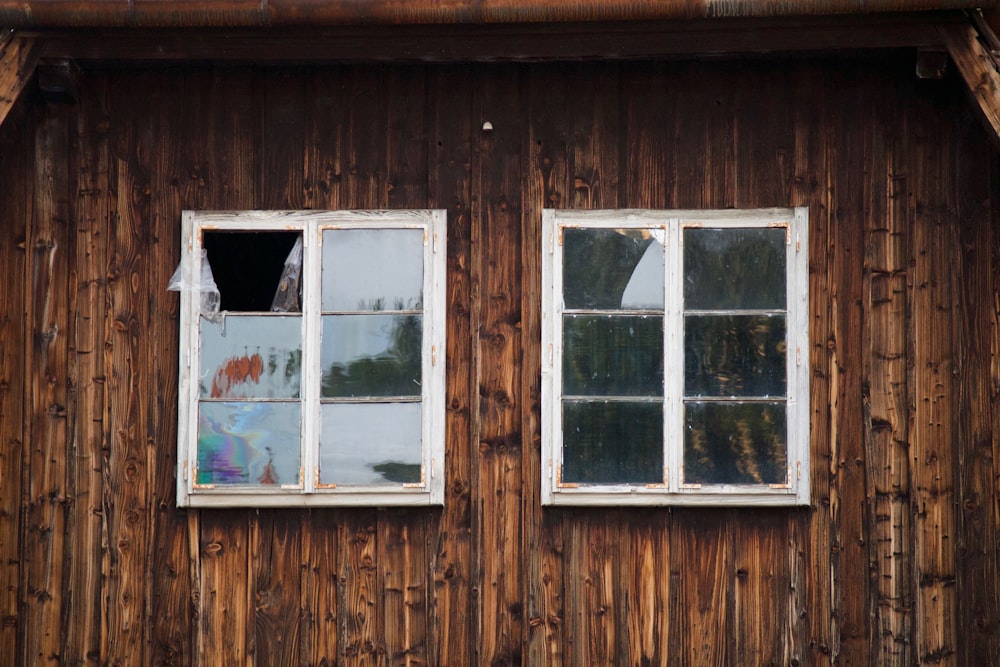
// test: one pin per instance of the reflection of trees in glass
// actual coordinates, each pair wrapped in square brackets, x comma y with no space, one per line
[397,471]
[611,442]
[598,264]
[734,268]
[612,355]
[735,443]
[395,372]
[727,355]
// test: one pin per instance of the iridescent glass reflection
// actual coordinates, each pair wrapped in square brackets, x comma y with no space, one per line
[371,355]
[251,356]
[370,443]
[612,442]
[620,355]
[250,443]
[735,443]
[612,269]
[734,355]
[373,269]
[729,269]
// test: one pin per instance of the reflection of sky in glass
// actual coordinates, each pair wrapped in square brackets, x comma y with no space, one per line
[347,338]
[372,269]
[248,443]
[258,357]
[370,443]
[645,287]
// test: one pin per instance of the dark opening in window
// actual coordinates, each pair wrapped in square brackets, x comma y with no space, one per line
[249,266]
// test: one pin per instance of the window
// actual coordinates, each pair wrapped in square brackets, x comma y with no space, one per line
[312,358]
[675,357]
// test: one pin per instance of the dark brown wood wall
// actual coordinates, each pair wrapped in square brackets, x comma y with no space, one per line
[895,562]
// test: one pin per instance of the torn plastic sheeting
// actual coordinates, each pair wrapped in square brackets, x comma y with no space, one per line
[287,298]
[184,280]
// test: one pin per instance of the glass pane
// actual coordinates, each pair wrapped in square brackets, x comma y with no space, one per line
[611,269]
[735,443]
[371,355]
[251,356]
[612,442]
[734,269]
[370,443]
[612,356]
[734,355]
[373,269]
[248,443]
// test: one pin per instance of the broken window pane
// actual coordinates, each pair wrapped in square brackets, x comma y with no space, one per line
[612,269]
[733,269]
[612,442]
[372,355]
[734,355]
[373,269]
[251,356]
[248,266]
[370,443]
[612,355]
[248,443]
[735,443]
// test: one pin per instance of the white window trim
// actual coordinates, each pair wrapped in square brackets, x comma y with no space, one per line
[430,491]
[671,491]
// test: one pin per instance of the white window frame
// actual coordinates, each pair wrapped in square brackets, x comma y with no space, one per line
[308,491]
[669,225]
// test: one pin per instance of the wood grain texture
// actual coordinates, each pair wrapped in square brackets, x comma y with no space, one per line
[977,68]
[892,563]
[19,55]
[16,175]
[496,282]
[932,394]
[44,501]
[451,126]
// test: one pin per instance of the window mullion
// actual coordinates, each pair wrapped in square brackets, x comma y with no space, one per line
[311,278]
[673,356]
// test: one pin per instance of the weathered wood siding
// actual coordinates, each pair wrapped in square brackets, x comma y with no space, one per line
[895,562]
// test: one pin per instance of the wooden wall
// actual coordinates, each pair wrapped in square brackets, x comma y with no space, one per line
[895,562]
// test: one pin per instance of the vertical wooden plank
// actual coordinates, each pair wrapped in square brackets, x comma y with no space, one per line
[126,502]
[845,150]
[360,603]
[275,564]
[701,563]
[643,572]
[222,563]
[760,589]
[884,386]
[83,611]
[450,97]
[546,184]
[44,471]
[764,139]
[403,565]
[812,534]
[979,612]
[932,293]
[496,239]
[16,174]
[366,184]
[649,124]
[318,635]
[577,589]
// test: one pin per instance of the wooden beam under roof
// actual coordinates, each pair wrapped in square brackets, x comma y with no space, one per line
[977,66]
[18,57]
[523,42]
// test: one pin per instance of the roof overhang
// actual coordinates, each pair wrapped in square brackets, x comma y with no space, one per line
[272,13]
